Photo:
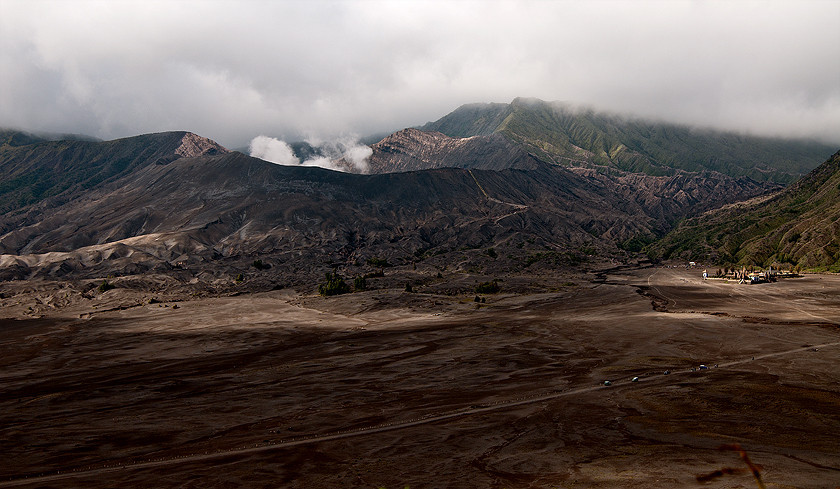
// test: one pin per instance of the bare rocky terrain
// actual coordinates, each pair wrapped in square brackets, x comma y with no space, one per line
[159,323]
[170,201]
[388,388]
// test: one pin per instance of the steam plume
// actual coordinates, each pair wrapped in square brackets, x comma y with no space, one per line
[273,150]
[342,154]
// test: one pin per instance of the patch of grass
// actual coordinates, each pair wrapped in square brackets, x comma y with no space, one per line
[105,286]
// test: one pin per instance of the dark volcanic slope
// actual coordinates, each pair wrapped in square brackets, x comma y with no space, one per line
[798,226]
[33,169]
[561,134]
[165,209]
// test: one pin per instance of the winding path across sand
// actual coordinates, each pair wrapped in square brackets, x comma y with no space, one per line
[498,406]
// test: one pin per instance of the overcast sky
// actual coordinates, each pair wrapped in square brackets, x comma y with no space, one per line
[293,69]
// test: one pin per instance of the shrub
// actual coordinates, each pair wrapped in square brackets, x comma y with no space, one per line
[408,287]
[105,286]
[259,265]
[491,253]
[378,273]
[239,278]
[378,262]
[334,285]
[491,287]
[359,283]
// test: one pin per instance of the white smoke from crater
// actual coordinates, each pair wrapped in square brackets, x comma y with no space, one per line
[343,154]
[358,155]
[273,150]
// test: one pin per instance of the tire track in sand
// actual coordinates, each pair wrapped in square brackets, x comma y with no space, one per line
[306,440]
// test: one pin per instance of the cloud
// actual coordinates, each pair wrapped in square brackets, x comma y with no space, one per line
[232,69]
[273,150]
[358,156]
[343,154]
[345,149]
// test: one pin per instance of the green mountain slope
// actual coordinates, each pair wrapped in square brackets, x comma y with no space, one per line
[799,226]
[561,134]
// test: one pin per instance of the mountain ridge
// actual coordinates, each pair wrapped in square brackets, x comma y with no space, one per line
[44,169]
[566,135]
[207,210]
[798,226]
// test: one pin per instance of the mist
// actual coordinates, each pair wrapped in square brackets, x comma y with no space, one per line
[345,154]
[233,70]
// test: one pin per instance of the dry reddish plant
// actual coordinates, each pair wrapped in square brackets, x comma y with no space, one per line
[751,467]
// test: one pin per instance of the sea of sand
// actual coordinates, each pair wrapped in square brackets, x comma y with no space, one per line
[388,389]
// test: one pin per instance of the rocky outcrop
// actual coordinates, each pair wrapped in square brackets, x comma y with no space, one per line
[413,150]
[194,145]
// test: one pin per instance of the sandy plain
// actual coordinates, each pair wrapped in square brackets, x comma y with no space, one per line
[387,389]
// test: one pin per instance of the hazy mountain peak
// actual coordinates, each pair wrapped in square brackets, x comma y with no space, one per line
[569,135]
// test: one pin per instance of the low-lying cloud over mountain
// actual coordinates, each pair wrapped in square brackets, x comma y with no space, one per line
[234,70]
[343,154]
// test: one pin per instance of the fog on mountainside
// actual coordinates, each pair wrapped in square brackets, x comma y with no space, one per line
[342,154]
[573,136]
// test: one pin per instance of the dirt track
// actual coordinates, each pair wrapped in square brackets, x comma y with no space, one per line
[357,391]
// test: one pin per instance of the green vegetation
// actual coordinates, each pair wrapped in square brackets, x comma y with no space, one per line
[378,262]
[565,135]
[799,226]
[491,287]
[334,285]
[259,265]
[588,250]
[239,278]
[105,286]
[359,283]
[35,169]
[637,243]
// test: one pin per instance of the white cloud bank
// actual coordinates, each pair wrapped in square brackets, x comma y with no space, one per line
[344,154]
[273,150]
[231,69]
